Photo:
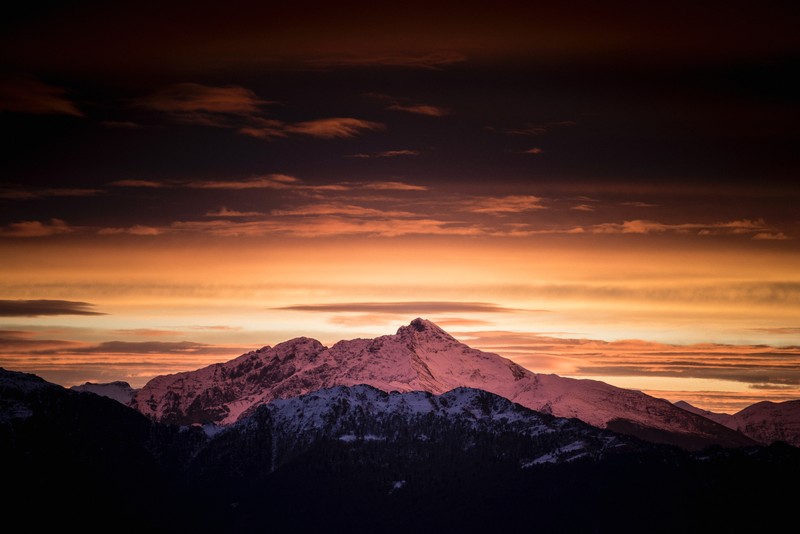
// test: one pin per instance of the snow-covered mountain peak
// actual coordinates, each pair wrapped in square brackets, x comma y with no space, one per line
[422,330]
[419,357]
[304,348]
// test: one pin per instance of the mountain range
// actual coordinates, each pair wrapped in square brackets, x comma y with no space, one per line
[419,357]
[358,459]
[764,422]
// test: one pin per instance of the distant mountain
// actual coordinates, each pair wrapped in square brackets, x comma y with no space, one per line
[118,391]
[765,422]
[419,357]
[357,459]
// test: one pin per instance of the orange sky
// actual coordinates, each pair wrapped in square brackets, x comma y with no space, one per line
[597,190]
[176,304]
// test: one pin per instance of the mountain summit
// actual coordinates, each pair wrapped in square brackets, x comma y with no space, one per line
[419,357]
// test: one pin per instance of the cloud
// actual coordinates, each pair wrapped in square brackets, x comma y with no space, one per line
[239,108]
[750,364]
[225,212]
[415,308]
[430,61]
[638,204]
[269,181]
[534,151]
[408,106]
[384,154]
[420,109]
[778,330]
[638,226]
[143,347]
[139,183]
[273,181]
[28,95]
[336,127]
[330,128]
[386,186]
[137,229]
[38,308]
[340,209]
[771,236]
[328,226]
[582,207]
[23,193]
[190,101]
[35,228]
[503,205]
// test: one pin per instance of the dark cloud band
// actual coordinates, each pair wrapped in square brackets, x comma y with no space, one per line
[36,308]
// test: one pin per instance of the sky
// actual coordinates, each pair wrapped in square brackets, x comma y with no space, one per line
[603,191]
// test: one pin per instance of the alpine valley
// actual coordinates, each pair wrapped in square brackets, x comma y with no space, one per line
[407,432]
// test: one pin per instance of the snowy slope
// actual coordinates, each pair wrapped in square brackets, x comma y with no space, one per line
[764,422]
[119,391]
[419,357]
[360,414]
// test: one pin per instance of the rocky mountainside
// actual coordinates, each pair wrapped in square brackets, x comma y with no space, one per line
[419,357]
[764,422]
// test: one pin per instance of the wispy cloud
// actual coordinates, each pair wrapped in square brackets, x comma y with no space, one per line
[335,127]
[582,207]
[433,60]
[503,205]
[327,226]
[420,109]
[36,228]
[238,108]
[225,212]
[638,226]
[37,308]
[404,308]
[751,364]
[24,94]
[638,204]
[384,154]
[269,181]
[387,186]
[193,101]
[340,209]
[329,128]
[137,229]
[142,347]
[139,183]
[534,151]
[771,236]
[274,181]
[407,105]
[786,330]
[29,193]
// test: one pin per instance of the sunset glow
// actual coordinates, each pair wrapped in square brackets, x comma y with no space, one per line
[581,195]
